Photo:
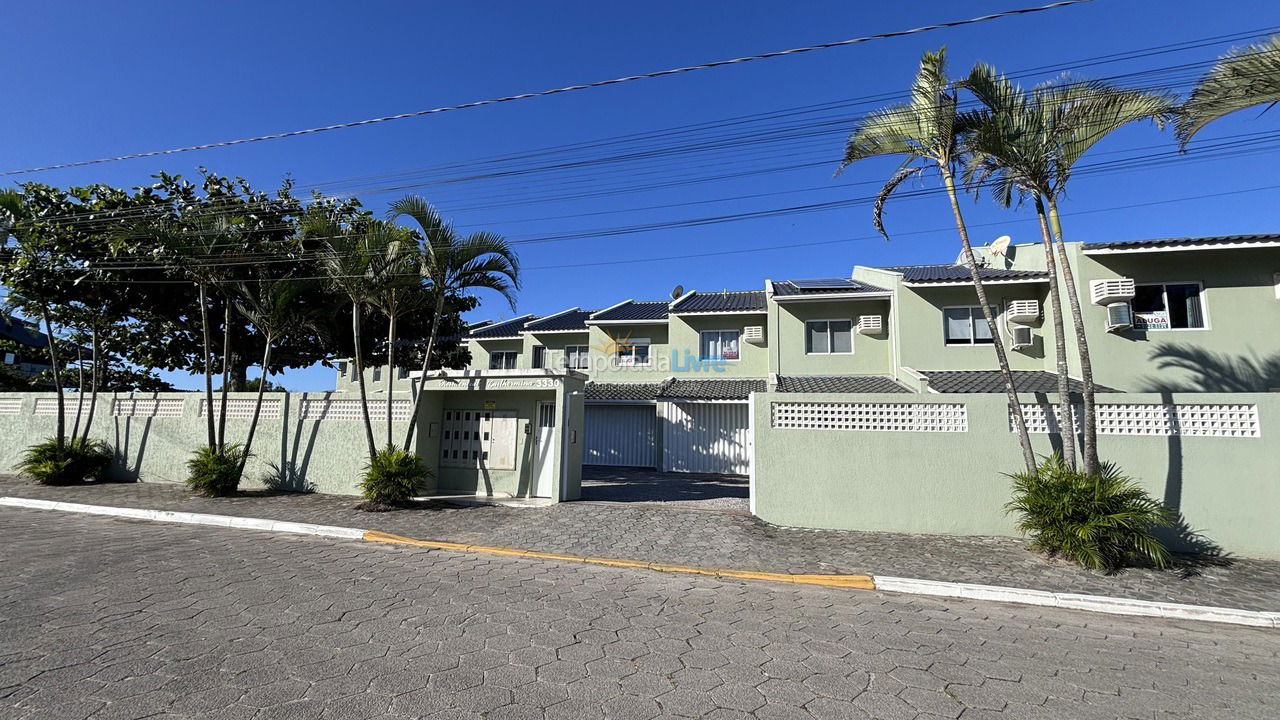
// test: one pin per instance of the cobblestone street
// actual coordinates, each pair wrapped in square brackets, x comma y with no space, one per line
[118,619]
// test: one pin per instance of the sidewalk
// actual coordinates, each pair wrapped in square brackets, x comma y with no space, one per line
[710,539]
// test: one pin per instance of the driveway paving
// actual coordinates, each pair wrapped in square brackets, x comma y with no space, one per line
[107,618]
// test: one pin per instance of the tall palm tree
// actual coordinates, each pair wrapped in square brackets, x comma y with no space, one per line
[453,264]
[1011,151]
[1082,113]
[270,304]
[925,131]
[1243,78]
[347,248]
[397,287]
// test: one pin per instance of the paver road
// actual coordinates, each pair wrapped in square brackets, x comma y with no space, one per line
[116,619]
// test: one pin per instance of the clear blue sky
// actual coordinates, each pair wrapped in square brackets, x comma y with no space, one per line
[85,80]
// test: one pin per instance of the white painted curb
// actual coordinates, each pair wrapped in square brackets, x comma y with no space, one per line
[1091,603]
[227,521]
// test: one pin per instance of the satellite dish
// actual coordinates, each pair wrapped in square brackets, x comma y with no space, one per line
[677,292]
[1000,246]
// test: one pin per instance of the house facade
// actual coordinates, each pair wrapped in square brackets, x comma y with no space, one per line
[669,380]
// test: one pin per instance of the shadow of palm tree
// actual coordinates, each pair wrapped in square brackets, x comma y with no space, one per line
[1207,371]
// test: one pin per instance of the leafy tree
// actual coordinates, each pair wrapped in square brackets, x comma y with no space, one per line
[926,133]
[1243,78]
[454,265]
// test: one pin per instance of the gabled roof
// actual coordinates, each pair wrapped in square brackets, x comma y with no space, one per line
[631,310]
[823,286]
[567,320]
[504,329]
[913,274]
[839,384]
[1187,243]
[720,302]
[990,381]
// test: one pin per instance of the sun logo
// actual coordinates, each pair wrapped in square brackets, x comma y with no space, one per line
[613,345]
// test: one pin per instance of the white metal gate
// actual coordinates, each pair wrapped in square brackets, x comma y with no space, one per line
[707,438]
[619,435]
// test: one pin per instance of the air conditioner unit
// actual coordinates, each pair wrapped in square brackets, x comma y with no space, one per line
[753,334]
[870,324]
[1105,292]
[1021,337]
[1119,316]
[1023,310]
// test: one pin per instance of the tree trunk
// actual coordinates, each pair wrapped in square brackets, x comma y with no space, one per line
[208,369]
[226,375]
[75,427]
[997,342]
[391,368]
[1066,410]
[57,377]
[359,361]
[239,377]
[1090,449]
[426,364]
[257,405]
[94,377]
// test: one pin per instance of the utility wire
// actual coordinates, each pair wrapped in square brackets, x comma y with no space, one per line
[556,91]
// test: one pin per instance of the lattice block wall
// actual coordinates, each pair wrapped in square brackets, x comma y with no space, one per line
[1161,420]
[147,407]
[242,408]
[884,417]
[350,409]
[10,406]
[49,406]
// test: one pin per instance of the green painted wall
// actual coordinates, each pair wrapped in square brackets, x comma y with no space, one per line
[922,345]
[554,344]
[605,370]
[953,483]
[872,354]
[686,338]
[480,350]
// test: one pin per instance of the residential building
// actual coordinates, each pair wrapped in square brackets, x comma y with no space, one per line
[23,346]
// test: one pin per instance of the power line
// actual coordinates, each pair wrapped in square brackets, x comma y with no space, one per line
[557,91]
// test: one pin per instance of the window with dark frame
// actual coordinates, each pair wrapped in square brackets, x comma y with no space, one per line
[966,326]
[1168,306]
[539,356]
[828,337]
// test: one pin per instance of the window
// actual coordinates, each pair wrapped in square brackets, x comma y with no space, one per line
[575,357]
[828,337]
[377,374]
[633,352]
[539,356]
[966,325]
[719,344]
[1169,306]
[503,360]
[402,373]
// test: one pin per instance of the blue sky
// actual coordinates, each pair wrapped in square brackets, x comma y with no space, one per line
[84,80]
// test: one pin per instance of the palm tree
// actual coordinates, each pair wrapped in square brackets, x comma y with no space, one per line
[1011,150]
[1082,112]
[1243,78]
[926,133]
[453,264]
[270,304]
[347,252]
[398,287]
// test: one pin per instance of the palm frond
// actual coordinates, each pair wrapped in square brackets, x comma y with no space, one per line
[1243,78]
[877,213]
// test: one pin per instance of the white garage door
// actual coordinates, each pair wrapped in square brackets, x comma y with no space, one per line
[619,435]
[707,438]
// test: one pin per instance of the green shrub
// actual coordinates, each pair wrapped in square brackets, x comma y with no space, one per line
[214,473]
[75,461]
[1102,522]
[392,478]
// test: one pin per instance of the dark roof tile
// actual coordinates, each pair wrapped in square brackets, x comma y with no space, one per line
[839,384]
[960,273]
[713,389]
[623,391]
[823,286]
[631,310]
[990,381]
[503,329]
[1185,242]
[738,301]
[572,320]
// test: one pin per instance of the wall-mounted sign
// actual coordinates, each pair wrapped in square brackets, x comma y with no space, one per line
[490,405]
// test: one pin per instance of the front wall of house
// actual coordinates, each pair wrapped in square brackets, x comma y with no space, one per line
[604,369]
[1242,315]
[922,344]
[555,344]
[686,342]
[872,354]
[481,349]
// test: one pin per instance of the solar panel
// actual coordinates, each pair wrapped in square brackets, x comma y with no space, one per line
[823,283]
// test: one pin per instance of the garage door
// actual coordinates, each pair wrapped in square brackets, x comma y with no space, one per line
[707,438]
[619,435]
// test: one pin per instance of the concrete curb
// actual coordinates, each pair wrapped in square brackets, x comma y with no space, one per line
[969,591]
[188,518]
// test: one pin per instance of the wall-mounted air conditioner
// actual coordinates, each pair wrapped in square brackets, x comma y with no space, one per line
[1119,316]
[1020,337]
[870,324]
[753,334]
[1106,292]
[1023,310]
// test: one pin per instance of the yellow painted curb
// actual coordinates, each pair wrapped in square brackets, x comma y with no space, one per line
[859,582]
